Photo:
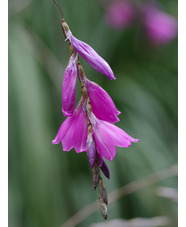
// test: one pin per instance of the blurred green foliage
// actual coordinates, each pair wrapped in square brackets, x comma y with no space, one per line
[46,185]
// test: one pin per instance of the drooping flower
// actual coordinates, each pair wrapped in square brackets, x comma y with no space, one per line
[108,136]
[120,14]
[160,26]
[90,55]
[102,105]
[69,86]
[73,131]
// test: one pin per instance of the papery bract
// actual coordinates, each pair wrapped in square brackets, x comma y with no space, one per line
[120,14]
[73,131]
[108,136]
[69,86]
[160,26]
[90,55]
[102,105]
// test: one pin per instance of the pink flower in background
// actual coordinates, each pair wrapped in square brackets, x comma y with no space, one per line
[108,136]
[102,105]
[90,56]
[73,131]
[120,14]
[160,26]
[69,86]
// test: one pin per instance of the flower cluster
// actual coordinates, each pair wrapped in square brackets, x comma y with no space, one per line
[90,126]
[95,110]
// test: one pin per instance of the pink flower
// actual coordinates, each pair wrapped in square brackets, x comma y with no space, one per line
[102,105]
[161,27]
[73,131]
[90,56]
[108,136]
[120,14]
[69,86]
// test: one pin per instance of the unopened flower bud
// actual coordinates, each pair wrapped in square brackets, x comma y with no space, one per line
[91,149]
[95,174]
[103,207]
[102,165]
[69,86]
[103,191]
[105,170]
[90,56]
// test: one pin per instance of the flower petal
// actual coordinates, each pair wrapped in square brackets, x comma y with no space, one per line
[104,142]
[81,129]
[63,130]
[118,134]
[76,136]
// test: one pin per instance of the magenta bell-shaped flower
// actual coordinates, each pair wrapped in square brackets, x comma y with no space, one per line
[108,136]
[90,56]
[73,132]
[102,105]
[69,86]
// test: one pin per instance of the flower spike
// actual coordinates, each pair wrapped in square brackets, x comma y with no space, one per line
[90,126]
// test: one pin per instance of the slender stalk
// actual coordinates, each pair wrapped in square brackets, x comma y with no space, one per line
[59,9]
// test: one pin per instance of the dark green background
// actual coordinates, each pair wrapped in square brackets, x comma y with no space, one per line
[46,185]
